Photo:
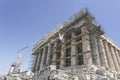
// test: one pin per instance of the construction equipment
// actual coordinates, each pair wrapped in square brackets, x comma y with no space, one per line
[15,67]
[15,72]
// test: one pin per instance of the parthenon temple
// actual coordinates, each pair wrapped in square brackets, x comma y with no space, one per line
[79,47]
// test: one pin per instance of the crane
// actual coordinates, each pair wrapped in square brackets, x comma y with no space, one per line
[20,55]
[15,67]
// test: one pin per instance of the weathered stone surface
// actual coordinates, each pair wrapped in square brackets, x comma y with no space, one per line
[27,75]
[85,52]
[91,73]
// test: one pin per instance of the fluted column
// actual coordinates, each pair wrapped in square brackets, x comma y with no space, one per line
[87,50]
[109,56]
[94,47]
[118,57]
[104,57]
[119,52]
[54,59]
[62,53]
[73,51]
[114,58]
[54,54]
[48,55]
[96,50]
[42,61]
[36,62]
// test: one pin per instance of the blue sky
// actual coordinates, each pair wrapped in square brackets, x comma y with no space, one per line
[24,22]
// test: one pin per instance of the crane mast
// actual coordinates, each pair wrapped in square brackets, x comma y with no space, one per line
[15,67]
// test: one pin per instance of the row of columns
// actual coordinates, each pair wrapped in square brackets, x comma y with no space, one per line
[105,54]
[111,58]
[40,58]
[86,49]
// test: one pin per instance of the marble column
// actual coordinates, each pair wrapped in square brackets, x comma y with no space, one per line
[114,58]
[109,56]
[42,66]
[87,50]
[48,55]
[36,62]
[54,54]
[118,57]
[104,55]
[54,59]
[73,51]
[93,41]
[119,52]
[62,53]
[96,50]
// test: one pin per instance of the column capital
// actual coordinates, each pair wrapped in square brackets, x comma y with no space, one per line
[49,44]
[105,41]
[52,41]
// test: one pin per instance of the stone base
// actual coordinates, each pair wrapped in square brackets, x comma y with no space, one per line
[91,72]
[95,73]
[94,77]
